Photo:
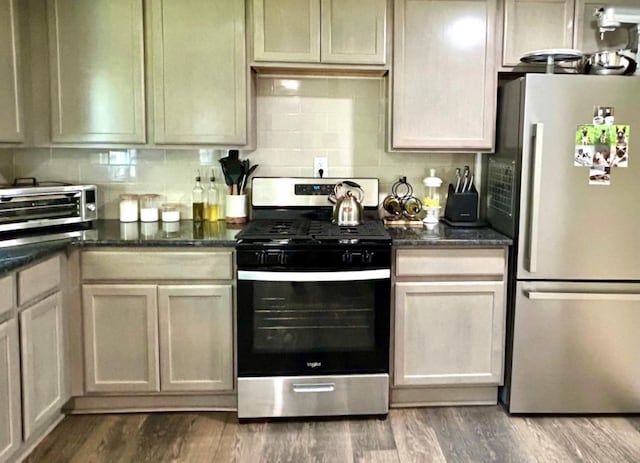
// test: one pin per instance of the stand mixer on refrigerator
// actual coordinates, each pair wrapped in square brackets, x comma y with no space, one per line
[613,17]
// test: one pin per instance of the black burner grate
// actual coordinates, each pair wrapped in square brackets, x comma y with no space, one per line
[266,229]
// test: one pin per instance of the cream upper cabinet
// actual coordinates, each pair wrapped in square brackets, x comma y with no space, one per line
[535,25]
[42,354]
[196,337]
[11,113]
[586,33]
[10,415]
[444,75]
[353,31]
[286,30]
[97,71]
[320,31]
[199,71]
[120,337]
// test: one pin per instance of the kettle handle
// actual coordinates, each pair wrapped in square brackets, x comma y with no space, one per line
[355,187]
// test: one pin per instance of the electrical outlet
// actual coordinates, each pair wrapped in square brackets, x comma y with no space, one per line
[320,163]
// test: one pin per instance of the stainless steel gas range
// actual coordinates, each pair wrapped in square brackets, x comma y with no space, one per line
[313,304]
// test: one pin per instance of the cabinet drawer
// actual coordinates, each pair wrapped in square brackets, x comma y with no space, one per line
[450,262]
[38,280]
[156,265]
[7,294]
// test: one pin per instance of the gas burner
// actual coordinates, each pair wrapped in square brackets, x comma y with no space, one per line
[310,230]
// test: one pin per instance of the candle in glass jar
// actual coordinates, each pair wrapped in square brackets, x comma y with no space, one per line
[170,213]
[128,208]
[149,208]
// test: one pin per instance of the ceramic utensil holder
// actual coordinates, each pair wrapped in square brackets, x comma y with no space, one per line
[236,208]
[461,207]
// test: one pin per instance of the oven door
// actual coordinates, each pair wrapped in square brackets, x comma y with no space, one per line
[313,323]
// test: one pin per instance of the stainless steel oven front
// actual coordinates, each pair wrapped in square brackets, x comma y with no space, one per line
[313,336]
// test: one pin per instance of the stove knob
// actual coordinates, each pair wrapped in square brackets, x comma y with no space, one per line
[261,257]
[283,258]
[347,258]
[367,258]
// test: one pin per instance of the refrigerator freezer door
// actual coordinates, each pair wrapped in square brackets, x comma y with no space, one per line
[570,229]
[576,348]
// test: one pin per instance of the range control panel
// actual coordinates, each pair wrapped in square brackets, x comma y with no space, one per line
[313,189]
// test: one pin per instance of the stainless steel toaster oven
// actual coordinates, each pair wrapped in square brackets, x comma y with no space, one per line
[23,208]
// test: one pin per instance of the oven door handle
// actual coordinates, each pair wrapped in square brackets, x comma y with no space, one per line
[357,275]
[314,387]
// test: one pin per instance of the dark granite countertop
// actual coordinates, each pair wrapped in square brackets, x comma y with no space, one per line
[184,233]
[444,235]
[218,234]
[113,233]
[18,256]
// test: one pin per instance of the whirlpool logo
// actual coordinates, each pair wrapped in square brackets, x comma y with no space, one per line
[314,364]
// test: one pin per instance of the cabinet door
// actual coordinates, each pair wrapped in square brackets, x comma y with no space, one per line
[449,333]
[11,113]
[96,65]
[196,337]
[120,338]
[587,34]
[10,417]
[535,25]
[444,77]
[199,71]
[354,31]
[42,353]
[286,30]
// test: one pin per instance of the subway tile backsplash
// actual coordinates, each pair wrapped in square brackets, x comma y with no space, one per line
[343,119]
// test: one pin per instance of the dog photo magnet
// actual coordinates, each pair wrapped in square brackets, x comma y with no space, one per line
[600,176]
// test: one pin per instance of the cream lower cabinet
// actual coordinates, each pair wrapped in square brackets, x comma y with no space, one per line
[151,338]
[121,338]
[444,75]
[196,337]
[320,31]
[449,325]
[10,414]
[449,333]
[42,356]
[11,129]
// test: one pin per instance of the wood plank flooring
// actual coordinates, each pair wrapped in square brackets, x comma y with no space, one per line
[447,434]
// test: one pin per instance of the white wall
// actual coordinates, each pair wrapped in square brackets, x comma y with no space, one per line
[297,119]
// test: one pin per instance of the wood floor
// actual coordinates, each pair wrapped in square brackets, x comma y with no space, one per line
[452,434]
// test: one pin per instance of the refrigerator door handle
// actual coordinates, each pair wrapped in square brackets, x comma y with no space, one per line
[536,180]
[569,296]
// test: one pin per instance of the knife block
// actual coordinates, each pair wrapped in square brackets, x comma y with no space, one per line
[461,208]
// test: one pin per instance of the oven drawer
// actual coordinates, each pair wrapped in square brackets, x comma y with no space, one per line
[313,395]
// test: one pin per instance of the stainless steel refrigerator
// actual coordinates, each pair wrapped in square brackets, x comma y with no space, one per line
[572,206]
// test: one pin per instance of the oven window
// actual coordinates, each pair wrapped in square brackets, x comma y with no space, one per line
[313,316]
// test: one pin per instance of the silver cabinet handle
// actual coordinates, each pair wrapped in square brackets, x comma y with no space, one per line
[536,178]
[314,387]
[539,295]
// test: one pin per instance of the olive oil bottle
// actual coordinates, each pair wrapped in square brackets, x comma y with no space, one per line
[197,198]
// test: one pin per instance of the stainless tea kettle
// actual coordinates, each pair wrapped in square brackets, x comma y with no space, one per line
[347,198]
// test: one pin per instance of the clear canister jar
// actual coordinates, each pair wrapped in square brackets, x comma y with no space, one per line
[149,204]
[170,212]
[128,208]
